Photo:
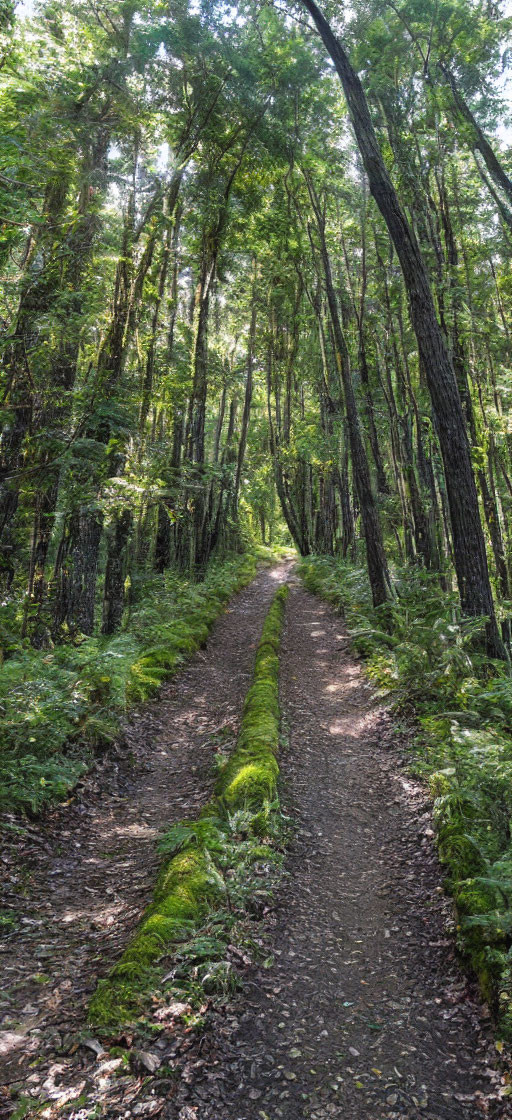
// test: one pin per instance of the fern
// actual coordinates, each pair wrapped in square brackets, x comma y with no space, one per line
[73,698]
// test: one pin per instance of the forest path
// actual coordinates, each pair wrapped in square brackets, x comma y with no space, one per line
[366,1014]
[77,881]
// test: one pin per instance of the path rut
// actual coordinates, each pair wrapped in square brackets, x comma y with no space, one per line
[78,882]
[366,1014]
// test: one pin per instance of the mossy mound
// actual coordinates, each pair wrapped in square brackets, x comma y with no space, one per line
[250,778]
[192,884]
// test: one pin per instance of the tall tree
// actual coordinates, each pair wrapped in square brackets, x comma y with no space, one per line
[468,539]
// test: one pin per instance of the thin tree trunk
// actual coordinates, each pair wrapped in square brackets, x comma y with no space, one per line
[480,141]
[248,396]
[375,554]
[115,572]
[468,538]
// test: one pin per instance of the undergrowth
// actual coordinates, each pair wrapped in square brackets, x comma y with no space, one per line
[217,866]
[424,657]
[58,707]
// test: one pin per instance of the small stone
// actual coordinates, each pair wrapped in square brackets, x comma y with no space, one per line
[95,1045]
[151,1062]
[10,1040]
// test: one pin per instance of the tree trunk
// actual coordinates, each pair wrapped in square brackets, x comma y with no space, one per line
[115,573]
[248,398]
[468,538]
[84,527]
[480,141]
[375,555]
[38,289]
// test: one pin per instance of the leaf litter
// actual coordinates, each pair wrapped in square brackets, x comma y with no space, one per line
[75,883]
[359,1007]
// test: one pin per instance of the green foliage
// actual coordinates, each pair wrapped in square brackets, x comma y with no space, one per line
[430,666]
[57,707]
[211,868]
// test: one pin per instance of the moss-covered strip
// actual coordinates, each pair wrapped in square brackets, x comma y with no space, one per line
[250,778]
[192,884]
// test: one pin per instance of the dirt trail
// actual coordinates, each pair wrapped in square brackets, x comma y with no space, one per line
[77,883]
[365,1014]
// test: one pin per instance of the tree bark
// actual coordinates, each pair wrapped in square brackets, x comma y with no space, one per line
[114,589]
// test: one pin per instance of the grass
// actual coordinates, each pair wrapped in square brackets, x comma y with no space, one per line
[214,864]
[425,659]
[58,707]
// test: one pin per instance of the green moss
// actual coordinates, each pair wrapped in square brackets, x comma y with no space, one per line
[250,777]
[458,850]
[192,886]
[471,898]
[253,783]
[185,893]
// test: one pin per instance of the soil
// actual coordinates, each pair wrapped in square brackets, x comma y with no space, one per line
[360,1011]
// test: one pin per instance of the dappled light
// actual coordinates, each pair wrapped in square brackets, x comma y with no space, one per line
[103,915]
[347,684]
[348,727]
[255,560]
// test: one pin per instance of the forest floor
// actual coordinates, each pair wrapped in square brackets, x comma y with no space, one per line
[364,1012]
